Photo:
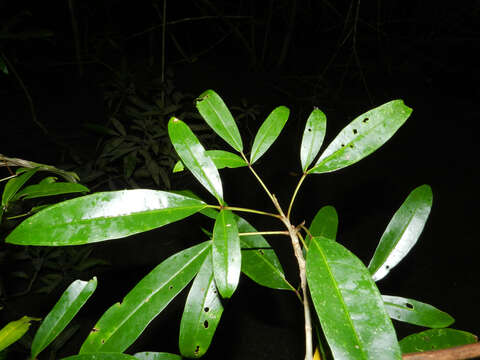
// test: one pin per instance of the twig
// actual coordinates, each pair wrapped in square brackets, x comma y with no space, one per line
[11,68]
[456,353]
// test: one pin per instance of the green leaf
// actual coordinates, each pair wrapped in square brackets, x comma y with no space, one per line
[221,159]
[259,261]
[269,132]
[13,185]
[62,313]
[14,330]
[124,322]
[436,339]
[202,313]
[50,189]
[363,136]
[194,157]
[416,312]
[313,136]
[218,117]
[103,216]
[402,232]
[101,356]
[348,304]
[156,356]
[226,254]
[324,224]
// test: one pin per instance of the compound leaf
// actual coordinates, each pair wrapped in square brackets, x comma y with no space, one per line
[313,136]
[362,136]
[269,132]
[124,322]
[194,157]
[348,304]
[103,216]
[218,117]
[402,232]
[202,313]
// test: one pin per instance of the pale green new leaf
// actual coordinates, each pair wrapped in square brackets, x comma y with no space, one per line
[313,136]
[194,157]
[362,136]
[226,253]
[202,313]
[402,232]
[62,313]
[348,304]
[13,185]
[221,159]
[148,355]
[50,189]
[218,117]
[103,216]
[416,312]
[124,322]
[14,330]
[436,339]
[259,261]
[269,132]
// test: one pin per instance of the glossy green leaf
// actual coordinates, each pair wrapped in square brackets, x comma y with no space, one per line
[402,232]
[194,157]
[416,312]
[348,304]
[202,313]
[221,159]
[226,254]
[50,189]
[13,185]
[103,216]
[259,261]
[14,330]
[325,224]
[363,136]
[436,339]
[62,313]
[101,356]
[269,132]
[124,322]
[218,117]
[313,136]
[148,355]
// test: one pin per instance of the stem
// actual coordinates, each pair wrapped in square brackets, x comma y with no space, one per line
[297,249]
[295,194]
[234,208]
[258,178]
[264,233]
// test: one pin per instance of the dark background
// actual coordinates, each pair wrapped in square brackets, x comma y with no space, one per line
[344,57]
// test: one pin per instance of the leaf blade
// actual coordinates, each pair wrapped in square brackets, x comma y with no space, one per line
[71,301]
[123,323]
[436,339]
[402,232]
[416,312]
[14,330]
[202,313]
[362,136]
[226,253]
[348,304]
[313,136]
[103,216]
[194,157]
[50,189]
[149,355]
[218,117]
[221,159]
[260,264]
[268,132]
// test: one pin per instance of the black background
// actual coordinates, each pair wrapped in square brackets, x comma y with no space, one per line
[422,52]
